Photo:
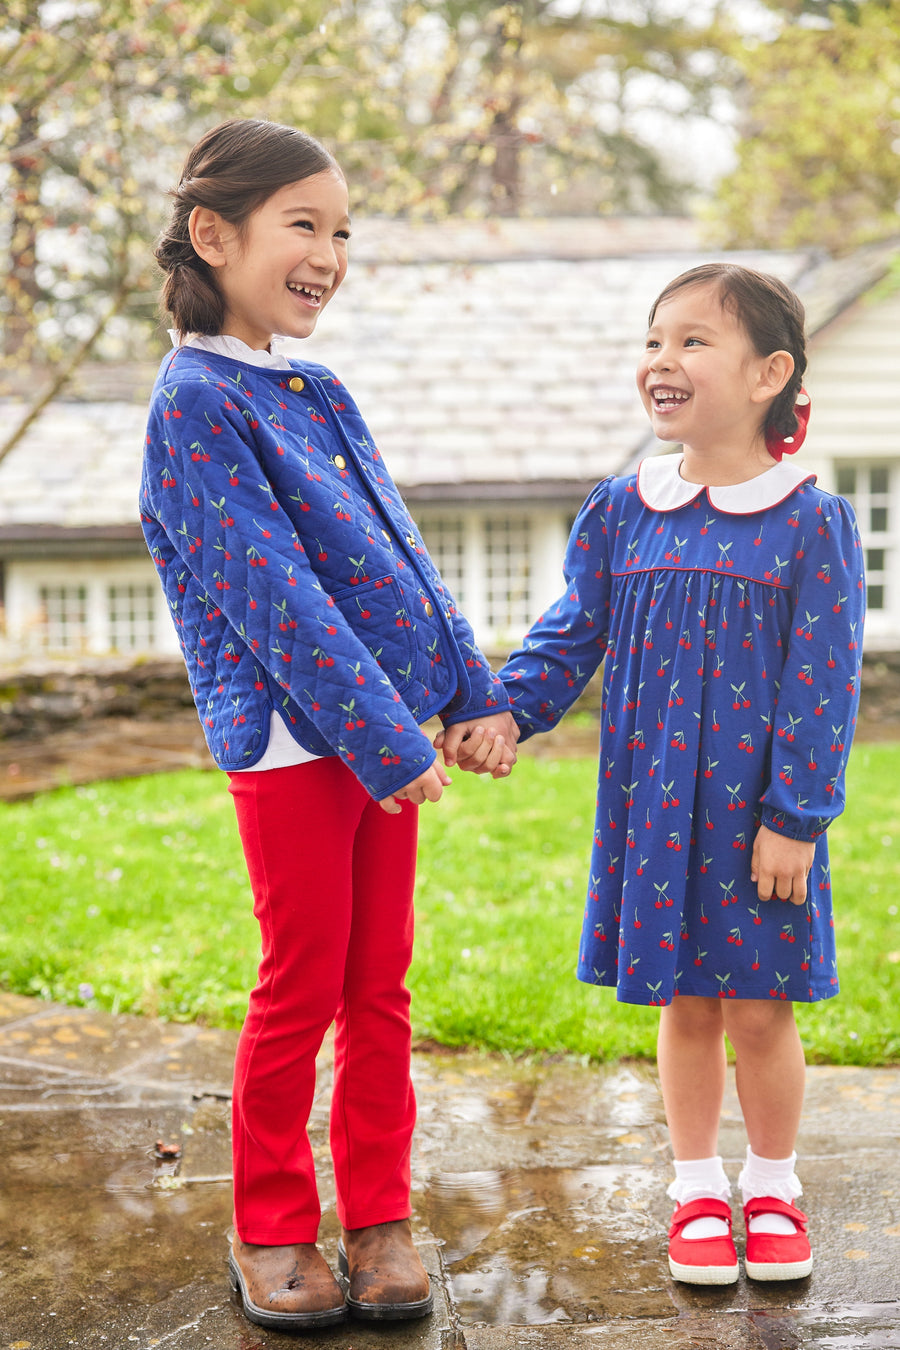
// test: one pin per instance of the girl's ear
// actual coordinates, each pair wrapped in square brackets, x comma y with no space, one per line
[209,234]
[774,373]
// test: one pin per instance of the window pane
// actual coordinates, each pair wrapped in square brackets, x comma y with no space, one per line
[64,625]
[508,579]
[445,538]
[878,480]
[846,481]
[875,559]
[878,519]
[132,615]
[875,597]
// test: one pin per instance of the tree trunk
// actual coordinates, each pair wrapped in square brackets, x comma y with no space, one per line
[27,164]
[504,135]
[66,370]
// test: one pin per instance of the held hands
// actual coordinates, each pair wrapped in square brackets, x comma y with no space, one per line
[781,866]
[482,745]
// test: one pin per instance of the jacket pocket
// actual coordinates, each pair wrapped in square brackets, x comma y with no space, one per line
[378,613]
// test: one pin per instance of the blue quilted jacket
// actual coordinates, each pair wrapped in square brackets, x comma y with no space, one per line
[295,575]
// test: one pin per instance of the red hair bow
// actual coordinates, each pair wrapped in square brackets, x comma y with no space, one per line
[789,445]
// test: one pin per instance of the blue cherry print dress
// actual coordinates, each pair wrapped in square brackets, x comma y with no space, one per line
[729,620]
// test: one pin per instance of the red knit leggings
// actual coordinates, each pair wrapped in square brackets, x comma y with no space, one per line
[332,876]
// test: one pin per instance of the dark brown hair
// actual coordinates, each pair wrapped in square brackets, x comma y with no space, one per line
[770,314]
[233,169]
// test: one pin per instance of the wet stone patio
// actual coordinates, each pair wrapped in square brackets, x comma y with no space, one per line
[539,1193]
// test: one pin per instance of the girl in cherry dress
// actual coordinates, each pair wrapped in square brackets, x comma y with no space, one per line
[723,590]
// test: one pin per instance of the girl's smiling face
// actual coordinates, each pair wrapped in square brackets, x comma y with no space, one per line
[279,272]
[700,379]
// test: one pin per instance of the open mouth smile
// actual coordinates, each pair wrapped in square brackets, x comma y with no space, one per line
[311,294]
[666,399]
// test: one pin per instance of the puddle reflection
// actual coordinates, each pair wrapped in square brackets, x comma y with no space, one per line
[857,1326]
[549,1245]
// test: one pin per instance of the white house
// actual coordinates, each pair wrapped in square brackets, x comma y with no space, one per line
[495,364]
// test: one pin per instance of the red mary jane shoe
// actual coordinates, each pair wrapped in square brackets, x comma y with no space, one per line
[777,1256]
[702,1260]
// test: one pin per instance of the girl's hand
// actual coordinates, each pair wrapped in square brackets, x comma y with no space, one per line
[483,745]
[781,866]
[426,788]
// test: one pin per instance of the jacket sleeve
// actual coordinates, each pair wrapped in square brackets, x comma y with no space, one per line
[818,694]
[209,507]
[486,695]
[564,647]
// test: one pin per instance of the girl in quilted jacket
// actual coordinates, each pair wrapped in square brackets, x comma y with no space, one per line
[318,637]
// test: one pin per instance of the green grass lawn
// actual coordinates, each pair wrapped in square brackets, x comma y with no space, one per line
[132,896]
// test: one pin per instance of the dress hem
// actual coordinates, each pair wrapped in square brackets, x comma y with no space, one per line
[763,996]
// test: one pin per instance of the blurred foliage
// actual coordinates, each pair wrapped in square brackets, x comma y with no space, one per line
[432,107]
[819,154]
[94,97]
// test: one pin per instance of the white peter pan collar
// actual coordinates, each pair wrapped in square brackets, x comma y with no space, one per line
[662,488]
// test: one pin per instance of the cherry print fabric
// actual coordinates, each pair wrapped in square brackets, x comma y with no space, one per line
[295,576]
[732,636]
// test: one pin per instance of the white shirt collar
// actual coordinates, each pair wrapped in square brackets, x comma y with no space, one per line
[662,488]
[223,344]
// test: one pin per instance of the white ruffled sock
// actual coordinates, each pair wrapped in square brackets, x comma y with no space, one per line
[770,1176]
[698,1179]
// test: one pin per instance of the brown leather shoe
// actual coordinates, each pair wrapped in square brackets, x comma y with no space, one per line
[387,1279]
[285,1288]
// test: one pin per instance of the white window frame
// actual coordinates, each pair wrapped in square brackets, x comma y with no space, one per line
[27,581]
[882,623]
[131,610]
[63,621]
[543,533]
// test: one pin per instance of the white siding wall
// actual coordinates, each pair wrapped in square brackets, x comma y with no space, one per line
[853,381]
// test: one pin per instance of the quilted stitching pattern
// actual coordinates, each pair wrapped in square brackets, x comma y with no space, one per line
[294,574]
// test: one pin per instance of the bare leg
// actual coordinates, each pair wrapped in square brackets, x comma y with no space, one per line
[770,1073]
[770,1082]
[691,1064]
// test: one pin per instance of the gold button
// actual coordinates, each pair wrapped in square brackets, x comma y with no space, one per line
[386,535]
[296,385]
[340,462]
[429,608]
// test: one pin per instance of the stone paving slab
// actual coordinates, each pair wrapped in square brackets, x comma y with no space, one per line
[121,1048]
[846,1327]
[195,1311]
[539,1198]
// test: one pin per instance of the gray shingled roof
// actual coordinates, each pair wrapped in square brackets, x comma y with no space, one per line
[78,466]
[490,359]
[514,371]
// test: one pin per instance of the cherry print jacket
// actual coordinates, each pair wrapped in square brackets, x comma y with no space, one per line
[779,562]
[295,576]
